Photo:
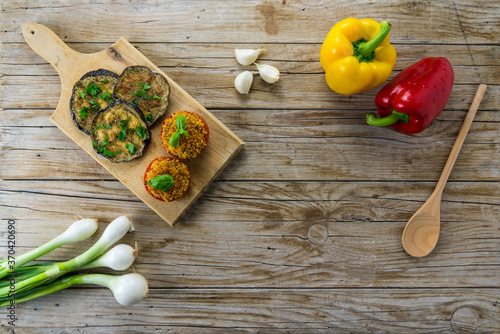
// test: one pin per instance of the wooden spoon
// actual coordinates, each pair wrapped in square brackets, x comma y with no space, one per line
[422,230]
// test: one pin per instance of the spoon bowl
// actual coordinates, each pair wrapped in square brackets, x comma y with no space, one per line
[421,233]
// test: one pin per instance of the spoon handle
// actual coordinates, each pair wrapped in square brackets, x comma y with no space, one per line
[460,139]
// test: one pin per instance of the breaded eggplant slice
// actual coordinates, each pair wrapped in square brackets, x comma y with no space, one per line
[92,93]
[146,89]
[120,133]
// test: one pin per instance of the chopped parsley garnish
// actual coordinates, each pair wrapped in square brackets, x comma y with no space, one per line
[108,153]
[84,112]
[156,97]
[123,131]
[100,127]
[82,94]
[142,92]
[141,131]
[130,147]
[93,89]
[104,82]
[136,102]
[92,129]
[108,126]
[149,117]
[95,105]
[103,149]
[105,96]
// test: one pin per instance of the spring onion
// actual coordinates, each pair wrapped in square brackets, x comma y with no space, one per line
[27,282]
[114,232]
[119,257]
[127,289]
[78,231]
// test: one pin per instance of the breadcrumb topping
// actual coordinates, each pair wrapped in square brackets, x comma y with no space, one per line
[189,146]
[168,166]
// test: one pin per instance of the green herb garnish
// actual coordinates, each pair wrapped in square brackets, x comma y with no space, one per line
[130,147]
[122,134]
[141,131]
[156,97]
[105,141]
[142,92]
[95,105]
[108,153]
[104,82]
[149,117]
[180,122]
[82,94]
[94,143]
[100,127]
[108,126]
[123,131]
[84,112]
[92,129]
[136,102]
[93,89]
[162,182]
[174,139]
[105,96]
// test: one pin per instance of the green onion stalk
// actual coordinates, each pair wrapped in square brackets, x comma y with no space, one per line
[127,289]
[78,231]
[119,257]
[114,232]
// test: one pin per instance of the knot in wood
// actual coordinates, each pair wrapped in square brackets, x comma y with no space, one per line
[465,320]
[317,234]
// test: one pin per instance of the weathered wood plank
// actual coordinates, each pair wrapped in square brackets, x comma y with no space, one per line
[288,93]
[268,310]
[333,152]
[436,22]
[296,58]
[308,120]
[337,234]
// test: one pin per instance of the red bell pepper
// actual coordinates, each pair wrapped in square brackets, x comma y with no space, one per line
[415,97]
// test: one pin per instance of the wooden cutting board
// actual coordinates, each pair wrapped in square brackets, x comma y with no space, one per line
[222,147]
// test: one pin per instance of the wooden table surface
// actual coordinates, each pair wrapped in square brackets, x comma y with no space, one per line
[302,231]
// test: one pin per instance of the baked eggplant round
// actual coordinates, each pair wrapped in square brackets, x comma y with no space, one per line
[192,140]
[92,93]
[179,177]
[120,133]
[146,89]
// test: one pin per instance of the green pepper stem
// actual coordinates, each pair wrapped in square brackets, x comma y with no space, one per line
[371,119]
[366,48]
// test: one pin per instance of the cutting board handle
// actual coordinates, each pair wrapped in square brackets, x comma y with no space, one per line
[49,46]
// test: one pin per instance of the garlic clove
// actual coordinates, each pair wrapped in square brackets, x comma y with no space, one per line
[243,82]
[269,73]
[247,56]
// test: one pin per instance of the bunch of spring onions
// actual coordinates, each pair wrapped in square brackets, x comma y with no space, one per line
[20,282]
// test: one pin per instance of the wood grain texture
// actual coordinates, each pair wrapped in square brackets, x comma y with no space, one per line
[301,233]
[271,311]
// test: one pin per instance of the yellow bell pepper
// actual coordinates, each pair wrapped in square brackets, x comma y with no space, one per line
[356,55]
